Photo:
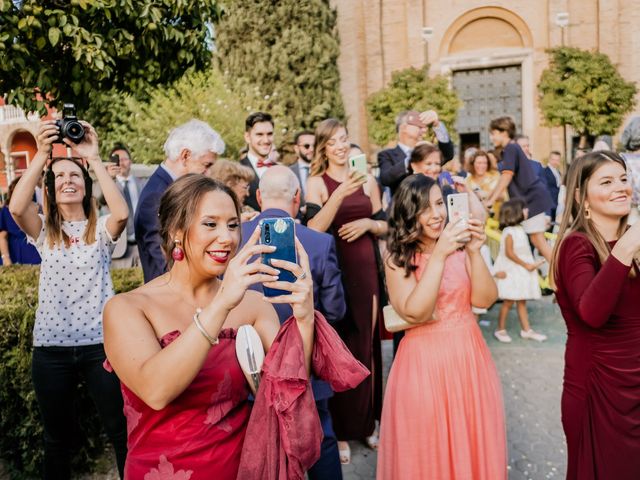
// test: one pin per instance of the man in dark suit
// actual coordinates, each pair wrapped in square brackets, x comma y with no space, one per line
[130,187]
[190,148]
[304,146]
[552,179]
[279,196]
[411,127]
[258,133]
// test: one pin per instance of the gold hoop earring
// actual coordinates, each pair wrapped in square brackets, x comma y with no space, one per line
[587,213]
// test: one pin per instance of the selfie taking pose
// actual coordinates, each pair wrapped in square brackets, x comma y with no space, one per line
[172,341]
[443,416]
[595,268]
[75,246]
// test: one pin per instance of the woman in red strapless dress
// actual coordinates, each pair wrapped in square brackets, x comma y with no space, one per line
[172,341]
[598,286]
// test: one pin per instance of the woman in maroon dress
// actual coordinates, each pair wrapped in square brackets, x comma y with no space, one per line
[347,204]
[172,341]
[598,287]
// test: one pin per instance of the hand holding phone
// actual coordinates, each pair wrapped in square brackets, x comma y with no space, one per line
[279,233]
[458,211]
[358,163]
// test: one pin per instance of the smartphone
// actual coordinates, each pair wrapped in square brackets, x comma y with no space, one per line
[458,208]
[445,179]
[115,159]
[359,164]
[279,233]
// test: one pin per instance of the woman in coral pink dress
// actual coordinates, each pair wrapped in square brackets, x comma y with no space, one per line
[443,414]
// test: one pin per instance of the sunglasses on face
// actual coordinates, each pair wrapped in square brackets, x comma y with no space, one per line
[306,145]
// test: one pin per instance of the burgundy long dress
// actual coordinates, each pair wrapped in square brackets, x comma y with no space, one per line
[354,412]
[601,395]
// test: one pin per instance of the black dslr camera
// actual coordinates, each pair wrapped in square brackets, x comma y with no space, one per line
[69,126]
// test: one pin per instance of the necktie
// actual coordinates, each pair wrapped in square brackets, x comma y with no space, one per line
[304,174]
[127,197]
[265,163]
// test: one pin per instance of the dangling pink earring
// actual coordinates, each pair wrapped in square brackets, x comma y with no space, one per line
[177,253]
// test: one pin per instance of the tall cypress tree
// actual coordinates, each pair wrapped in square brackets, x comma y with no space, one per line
[281,56]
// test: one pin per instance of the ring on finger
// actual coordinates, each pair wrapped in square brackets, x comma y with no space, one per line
[303,276]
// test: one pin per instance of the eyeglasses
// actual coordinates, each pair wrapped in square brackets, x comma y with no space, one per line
[306,145]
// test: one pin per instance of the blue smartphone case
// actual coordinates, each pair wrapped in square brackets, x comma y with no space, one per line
[280,233]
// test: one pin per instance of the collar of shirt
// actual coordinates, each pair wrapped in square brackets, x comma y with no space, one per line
[407,150]
[303,164]
[254,163]
[173,176]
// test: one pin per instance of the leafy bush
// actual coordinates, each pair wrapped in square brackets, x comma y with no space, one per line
[143,125]
[410,89]
[585,90]
[282,58]
[21,439]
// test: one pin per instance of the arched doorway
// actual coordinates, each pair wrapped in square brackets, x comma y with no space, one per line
[488,52]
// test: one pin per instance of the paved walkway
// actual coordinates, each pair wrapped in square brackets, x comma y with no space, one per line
[531,376]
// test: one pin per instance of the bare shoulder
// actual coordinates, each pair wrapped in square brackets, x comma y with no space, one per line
[249,310]
[127,303]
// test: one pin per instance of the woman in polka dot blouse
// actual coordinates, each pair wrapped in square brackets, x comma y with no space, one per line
[75,246]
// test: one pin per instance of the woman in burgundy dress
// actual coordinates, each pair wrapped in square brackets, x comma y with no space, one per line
[347,204]
[598,287]
[172,341]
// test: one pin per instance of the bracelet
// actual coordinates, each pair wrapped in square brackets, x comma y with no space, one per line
[196,320]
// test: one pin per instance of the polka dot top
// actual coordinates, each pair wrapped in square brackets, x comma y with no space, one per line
[75,284]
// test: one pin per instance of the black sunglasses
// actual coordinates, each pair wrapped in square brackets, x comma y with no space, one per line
[306,145]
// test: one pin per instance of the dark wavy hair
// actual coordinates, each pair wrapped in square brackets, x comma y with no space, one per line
[179,204]
[409,201]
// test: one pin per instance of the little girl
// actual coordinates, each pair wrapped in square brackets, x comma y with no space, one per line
[516,260]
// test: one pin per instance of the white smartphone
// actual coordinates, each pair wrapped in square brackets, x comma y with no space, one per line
[359,164]
[458,208]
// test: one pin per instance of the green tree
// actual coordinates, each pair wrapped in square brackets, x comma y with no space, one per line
[70,51]
[144,124]
[585,90]
[410,89]
[281,56]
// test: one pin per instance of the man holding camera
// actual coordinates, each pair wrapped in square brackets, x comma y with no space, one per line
[411,127]
[126,253]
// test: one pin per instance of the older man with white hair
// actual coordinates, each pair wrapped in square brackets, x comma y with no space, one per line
[192,147]
[278,195]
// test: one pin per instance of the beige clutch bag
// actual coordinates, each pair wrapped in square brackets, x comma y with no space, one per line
[395,323]
[250,354]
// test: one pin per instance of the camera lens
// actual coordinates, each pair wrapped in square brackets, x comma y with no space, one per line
[74,131]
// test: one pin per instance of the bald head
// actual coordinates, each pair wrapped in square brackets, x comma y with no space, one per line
[279,188]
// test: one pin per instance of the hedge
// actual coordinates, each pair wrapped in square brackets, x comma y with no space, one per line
[21,439]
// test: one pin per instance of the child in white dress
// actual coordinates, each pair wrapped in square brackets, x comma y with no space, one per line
[521,281]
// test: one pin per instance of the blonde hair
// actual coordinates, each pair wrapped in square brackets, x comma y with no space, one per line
[574,218]
[324,131]
[231,173]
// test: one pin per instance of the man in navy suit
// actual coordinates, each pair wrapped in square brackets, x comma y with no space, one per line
[552,179]
[190,148]
[411,127]
[279,196]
